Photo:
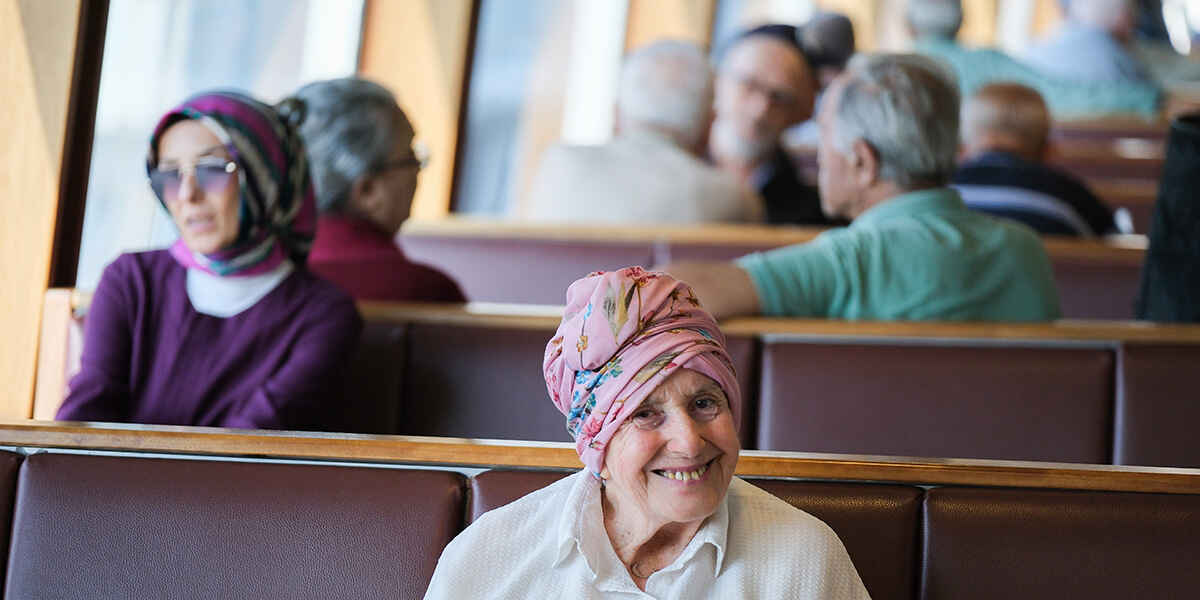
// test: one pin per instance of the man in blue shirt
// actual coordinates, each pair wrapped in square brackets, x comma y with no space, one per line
[913,251]
[1005,142]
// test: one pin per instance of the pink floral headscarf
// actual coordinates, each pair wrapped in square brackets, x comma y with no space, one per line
[622,334]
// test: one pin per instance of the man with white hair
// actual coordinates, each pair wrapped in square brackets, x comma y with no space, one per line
[651,172]
[1091,44]
[913,251]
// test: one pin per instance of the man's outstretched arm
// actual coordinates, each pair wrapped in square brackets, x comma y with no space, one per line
[723,288]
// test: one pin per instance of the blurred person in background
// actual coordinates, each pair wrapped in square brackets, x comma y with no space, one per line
[227,328]
[1003,171]
[365,167]
[652,171]
[765,84]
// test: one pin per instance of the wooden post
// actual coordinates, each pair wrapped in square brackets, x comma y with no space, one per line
[38,40]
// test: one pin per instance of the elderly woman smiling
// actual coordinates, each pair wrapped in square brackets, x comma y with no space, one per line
[639,369]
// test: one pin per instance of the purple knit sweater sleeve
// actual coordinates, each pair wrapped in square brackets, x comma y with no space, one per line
[101,390]
[149,357]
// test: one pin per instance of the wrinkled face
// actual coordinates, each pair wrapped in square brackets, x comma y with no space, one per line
[834,178]
[673,459]
[198,186]
[764,86]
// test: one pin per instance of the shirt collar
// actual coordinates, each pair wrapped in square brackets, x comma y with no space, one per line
[580,512]
[910,204]
[581,528]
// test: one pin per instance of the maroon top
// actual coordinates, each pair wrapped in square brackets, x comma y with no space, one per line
[149,357]
[364,261]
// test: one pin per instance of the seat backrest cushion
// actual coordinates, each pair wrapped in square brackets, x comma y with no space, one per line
[985,543]
[1157,408]
[521,270]
[878,523]
[497,487]
[9,463]
[1096,287]
[367,394]
[123,527]
[984,401]
[480,382]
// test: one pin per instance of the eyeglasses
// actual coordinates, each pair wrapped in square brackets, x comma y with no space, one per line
[775,96]
[419,159]
[211,176]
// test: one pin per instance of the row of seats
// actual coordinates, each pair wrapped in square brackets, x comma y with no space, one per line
[1099,394]
[219,525]
[1066,392]
[502,262]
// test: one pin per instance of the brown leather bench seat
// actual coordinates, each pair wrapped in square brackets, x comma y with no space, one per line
[280,515]
[1158,405]
[996,543]
[128,527]
[1001,400]
[499,261]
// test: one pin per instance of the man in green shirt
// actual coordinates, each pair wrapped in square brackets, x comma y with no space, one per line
[913,251]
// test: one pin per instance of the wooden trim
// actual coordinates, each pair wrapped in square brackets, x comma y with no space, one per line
[467,453]
[547,317]
[460,140]
[77,148]
[485,228]
[52,352]
[1121,248]
[39,46]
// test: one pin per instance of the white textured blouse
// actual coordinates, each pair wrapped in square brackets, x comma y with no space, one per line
[552,544]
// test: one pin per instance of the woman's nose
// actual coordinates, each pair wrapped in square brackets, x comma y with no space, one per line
[189,186]
[683,435]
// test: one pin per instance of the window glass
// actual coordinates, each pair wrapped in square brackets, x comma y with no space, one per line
[735,16]
[515,76]
[158,52]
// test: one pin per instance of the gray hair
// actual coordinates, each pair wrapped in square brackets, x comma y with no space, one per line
[905,106]
[935,18]
[667,86]
[351,128]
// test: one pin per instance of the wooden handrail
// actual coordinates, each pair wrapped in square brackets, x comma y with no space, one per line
[547,317]
[1125,246]
[468,453]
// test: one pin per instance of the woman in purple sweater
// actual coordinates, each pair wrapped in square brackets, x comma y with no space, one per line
[227,328]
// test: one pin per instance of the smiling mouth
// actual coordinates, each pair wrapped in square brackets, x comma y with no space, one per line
[684,475]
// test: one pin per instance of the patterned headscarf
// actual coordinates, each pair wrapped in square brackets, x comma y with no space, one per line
[278,214]
[622,334]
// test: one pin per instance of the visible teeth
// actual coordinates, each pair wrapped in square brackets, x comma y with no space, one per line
[685,475]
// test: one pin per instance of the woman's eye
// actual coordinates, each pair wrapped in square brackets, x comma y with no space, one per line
[707,406]
[647,419]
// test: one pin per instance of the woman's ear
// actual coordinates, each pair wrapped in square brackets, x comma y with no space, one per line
[365,196]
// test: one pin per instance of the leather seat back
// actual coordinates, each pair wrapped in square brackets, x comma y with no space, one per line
[121,527]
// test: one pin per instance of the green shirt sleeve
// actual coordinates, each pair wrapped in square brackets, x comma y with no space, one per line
[804,280]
